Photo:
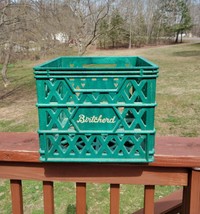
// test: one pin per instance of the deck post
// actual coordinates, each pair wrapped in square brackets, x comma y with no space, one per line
[17,198]
[195,191]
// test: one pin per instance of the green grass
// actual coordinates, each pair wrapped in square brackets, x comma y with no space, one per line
[177,114]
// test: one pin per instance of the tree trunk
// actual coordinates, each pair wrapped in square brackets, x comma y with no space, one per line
[181,37]
[130,37]
[113,44]
[5,68]
[130,41]
[177,34]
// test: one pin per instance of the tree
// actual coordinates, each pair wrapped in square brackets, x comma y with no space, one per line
[183,19]
[89,14]
[140,30]
[103,33]
[152,21]
[13,31]
[195,15]
[117,32]
[177,19]
[9,20]
[128,10]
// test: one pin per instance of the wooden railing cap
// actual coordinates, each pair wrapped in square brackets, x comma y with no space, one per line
[170,150]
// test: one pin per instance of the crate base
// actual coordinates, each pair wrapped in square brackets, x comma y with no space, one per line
[59,147]
[96,160]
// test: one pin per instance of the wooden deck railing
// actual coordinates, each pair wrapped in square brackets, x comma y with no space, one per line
[176,163]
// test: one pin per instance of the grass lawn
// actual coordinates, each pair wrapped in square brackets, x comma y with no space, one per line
[177,114]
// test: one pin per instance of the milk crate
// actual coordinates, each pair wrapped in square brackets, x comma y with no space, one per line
[96,109]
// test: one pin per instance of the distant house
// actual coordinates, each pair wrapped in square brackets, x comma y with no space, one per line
[61,37]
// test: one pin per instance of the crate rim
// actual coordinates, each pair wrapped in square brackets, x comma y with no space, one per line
[41,67]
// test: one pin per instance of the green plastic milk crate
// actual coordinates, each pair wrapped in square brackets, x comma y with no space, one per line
[96,109]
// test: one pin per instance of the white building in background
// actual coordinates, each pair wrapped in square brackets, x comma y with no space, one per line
[61,37]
